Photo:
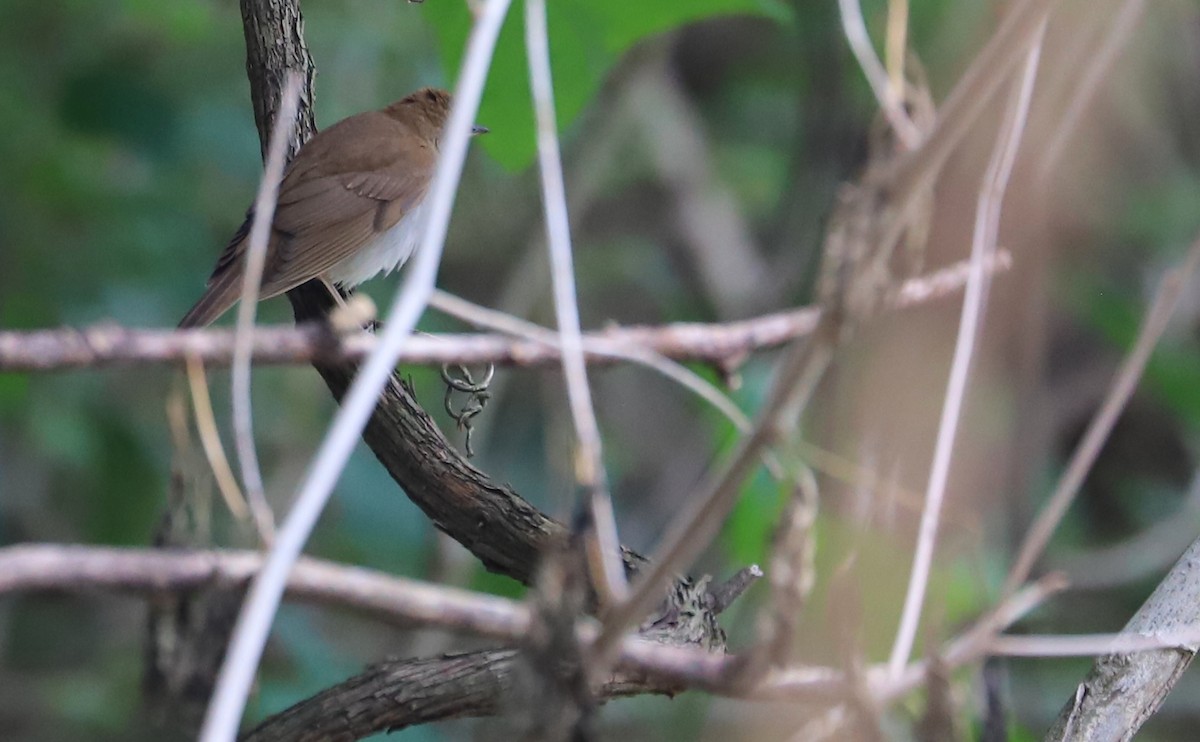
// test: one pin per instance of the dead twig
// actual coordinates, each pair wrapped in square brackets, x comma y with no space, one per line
[725,344]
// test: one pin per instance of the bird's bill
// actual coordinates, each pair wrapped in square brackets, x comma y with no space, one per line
[476,130]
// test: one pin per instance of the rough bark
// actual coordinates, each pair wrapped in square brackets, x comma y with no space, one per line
[397,694]
[1122,691]
[274,31]
[491,520]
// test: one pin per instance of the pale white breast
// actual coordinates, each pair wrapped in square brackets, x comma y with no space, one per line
[384,254]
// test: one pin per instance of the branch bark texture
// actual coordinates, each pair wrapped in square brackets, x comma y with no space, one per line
[724,344]
[490,519]
[1124,690]
[274,31]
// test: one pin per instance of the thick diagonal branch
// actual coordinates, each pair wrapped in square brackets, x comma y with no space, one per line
[491,520]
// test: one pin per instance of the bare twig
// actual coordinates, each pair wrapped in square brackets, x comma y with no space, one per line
[146,571]
[797,377]
[399,693]
[396,600]
[407,602]
[1091,645]
[553,698]
[395,694]
[598,348]
[889,97]
[799,373]
[1141,555]
[254,622]
[726,344]
[967,647]
[995,63]
[792,574]
[1166,298]
[607,572]
[801,682]
[724,594]
[1123,23]
[256,259]
[694,528]
[210,440]
[987,227]
[897,44]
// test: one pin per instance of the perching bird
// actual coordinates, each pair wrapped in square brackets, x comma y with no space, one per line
[350,205]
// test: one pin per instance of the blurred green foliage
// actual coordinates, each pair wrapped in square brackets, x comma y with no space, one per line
[587,38]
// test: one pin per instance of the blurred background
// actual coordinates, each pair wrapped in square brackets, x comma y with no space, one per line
[704,145]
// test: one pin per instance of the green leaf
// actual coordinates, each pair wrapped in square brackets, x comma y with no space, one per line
[587,37]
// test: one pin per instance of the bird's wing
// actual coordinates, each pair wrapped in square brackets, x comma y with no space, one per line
[341,192]
[337,194]
[326,220]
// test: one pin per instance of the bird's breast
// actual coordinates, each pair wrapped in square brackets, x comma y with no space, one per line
[386,252]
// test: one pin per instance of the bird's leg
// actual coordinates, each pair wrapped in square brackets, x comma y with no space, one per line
[333,290]
[353,313]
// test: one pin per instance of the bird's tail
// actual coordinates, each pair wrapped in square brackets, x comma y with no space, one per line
[221,294]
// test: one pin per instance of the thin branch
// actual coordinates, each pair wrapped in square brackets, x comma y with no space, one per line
[1166,298]
[995,64]
[1141,555]
[1096,71]
[256,260]
[968,647]
[210,440]
[973,643]
[794,682]
[1092,645]
[987,228]
[726,344]
[606,571]
[798,376]
[724,595]
[896,47]
[598,349]
[405,602]
[395,600]
[693,529]
[888,97]
[395,694]
[506,533]
[792,574]
[254,622]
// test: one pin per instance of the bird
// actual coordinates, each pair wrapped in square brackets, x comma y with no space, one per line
[350,206]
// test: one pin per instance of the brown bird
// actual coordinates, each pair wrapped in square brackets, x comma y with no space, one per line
[350,205]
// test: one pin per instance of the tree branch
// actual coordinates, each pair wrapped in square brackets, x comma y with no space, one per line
[679,651]
[725,344]
[395,600]
[490,519]
[1123,690]
[396,694]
